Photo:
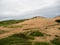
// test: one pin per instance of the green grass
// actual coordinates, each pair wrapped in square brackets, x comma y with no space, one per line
[56,41]
[23,39]
[42,43]
[36,33]
[9,22]
[16,39]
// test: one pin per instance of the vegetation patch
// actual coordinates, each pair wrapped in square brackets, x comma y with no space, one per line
[16,39]
[56,36]
[9,22]
[58,21]
[36,33]
[42,43]
[56,41]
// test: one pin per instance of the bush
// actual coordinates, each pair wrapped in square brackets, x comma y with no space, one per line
[56,41]
[58,21]
[56,35]
[36,33]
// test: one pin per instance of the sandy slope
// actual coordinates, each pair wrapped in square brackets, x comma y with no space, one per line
[46,25]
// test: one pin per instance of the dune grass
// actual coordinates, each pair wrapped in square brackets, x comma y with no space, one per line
[42,43]
[36,33]
[56,41]
[20,39]
[16,39]
[9,22]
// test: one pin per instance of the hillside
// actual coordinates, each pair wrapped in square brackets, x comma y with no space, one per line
[34,31]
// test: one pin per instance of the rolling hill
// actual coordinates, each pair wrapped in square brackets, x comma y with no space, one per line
[34,31]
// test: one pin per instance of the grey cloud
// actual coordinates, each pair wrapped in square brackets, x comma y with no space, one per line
[13,9]
[46,12]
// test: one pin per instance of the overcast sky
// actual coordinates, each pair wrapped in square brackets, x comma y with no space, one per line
[18,9]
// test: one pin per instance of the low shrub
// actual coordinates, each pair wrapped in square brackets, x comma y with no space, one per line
[16,39]
[56,41]
[56,35]
[36,33]
[58,21]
